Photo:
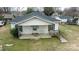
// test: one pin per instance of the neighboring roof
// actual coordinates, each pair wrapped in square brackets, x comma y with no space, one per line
[65,17]
[38,14]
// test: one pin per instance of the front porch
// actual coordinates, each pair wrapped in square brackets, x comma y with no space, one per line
[31,36]
[37,31]
[37,35]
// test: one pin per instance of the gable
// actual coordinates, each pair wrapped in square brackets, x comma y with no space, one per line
[35,21]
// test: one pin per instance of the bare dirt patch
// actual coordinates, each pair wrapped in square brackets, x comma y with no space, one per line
[2,29]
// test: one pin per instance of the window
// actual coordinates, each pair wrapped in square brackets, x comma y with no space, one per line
[20,28]
[35,28]
[51,27]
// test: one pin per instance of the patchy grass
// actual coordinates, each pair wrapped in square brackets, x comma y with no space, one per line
[71,32]
[27,45]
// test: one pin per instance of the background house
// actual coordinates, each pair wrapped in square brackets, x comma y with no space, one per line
[7,17]
[65,19]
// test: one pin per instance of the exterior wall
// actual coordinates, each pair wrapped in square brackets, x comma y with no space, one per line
[56,26]
[64,20]
[43,29]
[34,21]
[29,29]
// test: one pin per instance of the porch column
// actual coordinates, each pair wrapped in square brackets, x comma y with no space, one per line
[56,26]
[19,30]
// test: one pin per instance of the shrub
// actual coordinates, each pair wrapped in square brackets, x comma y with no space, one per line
[14,32]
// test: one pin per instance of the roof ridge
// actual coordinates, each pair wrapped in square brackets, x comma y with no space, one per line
[38,14]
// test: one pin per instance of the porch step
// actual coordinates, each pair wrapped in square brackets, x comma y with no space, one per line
[34,37]
[28,37]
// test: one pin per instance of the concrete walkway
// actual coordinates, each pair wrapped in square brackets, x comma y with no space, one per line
[62,39]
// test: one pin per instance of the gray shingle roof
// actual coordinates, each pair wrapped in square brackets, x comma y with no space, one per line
[38,14]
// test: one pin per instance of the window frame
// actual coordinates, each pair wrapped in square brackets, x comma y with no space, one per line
[35,27]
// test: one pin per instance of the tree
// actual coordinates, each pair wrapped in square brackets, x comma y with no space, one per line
[5,10]
[29,10]
[59,11]
[48,11]
[72,11]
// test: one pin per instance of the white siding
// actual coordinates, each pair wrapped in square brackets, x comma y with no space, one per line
[29,29]
[64,20]
[56,26]
[34,21]
[43,29]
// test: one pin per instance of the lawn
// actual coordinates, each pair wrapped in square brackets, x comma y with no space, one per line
[71,33]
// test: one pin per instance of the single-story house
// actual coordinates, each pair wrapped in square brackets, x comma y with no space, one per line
[35,25]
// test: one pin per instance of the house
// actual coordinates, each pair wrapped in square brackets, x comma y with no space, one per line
[8,17]
[64,19]
[35,25]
